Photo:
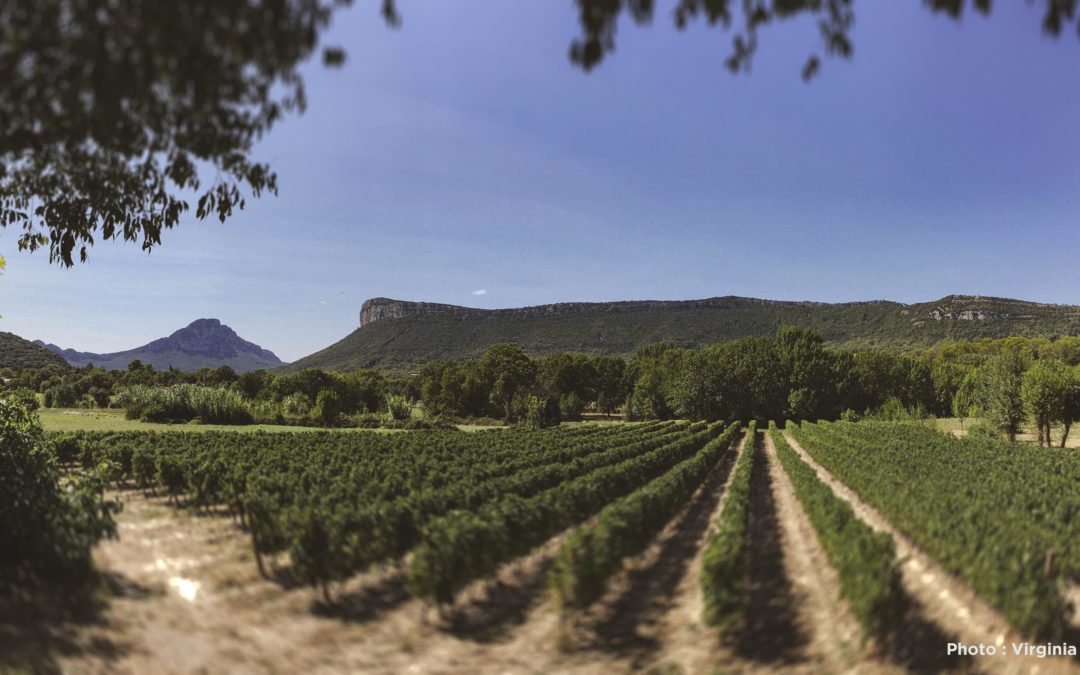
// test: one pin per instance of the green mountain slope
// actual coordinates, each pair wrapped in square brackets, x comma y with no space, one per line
[399,335]
[16,352]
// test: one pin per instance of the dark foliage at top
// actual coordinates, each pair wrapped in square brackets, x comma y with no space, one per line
[113,114]
[110,112]
[834,18]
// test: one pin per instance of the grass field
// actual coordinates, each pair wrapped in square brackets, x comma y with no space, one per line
[78,419]
[958,427]
[110,419]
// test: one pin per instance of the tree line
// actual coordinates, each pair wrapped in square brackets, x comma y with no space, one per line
[790,375]
[310,396]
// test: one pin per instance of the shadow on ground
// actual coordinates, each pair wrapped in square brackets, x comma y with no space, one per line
[649,591]
[501,606]
[770,634]
[41,624]
[368,603]
[919,646]
[1072,637]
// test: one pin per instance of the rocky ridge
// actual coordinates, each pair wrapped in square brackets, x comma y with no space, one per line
[204,343]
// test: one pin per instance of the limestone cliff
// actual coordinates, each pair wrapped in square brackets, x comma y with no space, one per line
[375,309]
[404,336]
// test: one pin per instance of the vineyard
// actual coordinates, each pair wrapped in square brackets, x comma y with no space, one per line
[700,545]
[339,505]
[1002,517]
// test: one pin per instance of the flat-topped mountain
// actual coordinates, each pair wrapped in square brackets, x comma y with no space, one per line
[385,308]
[403,335]
[205,343]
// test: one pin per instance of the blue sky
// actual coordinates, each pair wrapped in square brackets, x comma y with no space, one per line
[464,153]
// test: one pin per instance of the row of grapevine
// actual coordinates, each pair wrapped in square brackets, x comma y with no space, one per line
[625,527]
[1003,517]
[345,537]
[187,463]
[865,561]
[724,575]
[341,502]
[464,546]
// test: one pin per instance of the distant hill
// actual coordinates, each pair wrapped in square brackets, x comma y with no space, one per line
[15,352]
[203,343]
[402,335]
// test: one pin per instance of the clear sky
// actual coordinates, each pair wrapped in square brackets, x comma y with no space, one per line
[463,159]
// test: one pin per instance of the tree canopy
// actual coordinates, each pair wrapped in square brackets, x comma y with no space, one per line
[117,117]
[112,114]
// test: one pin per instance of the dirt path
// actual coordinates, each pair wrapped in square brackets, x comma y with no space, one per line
[185,597]
[956,613]
[651,614]
[773,635]
[796,624]
[833,636]
[689,644]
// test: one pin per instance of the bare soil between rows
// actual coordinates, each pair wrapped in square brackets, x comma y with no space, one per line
[182,595]
[949,611]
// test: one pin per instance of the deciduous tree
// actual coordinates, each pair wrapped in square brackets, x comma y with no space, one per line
[1004,402]
[510,370]
[1070,404]
[1043,392]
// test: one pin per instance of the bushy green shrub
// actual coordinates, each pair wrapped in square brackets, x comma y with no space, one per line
[296,404]
[541,412]
[399,407]
[893,410]
[982,429]
[152,411]
[570,407]
[47,526]
[183,403]
[62,396]
[850,415]
[327,406]
[25,397]
[100,395]
[368,421]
